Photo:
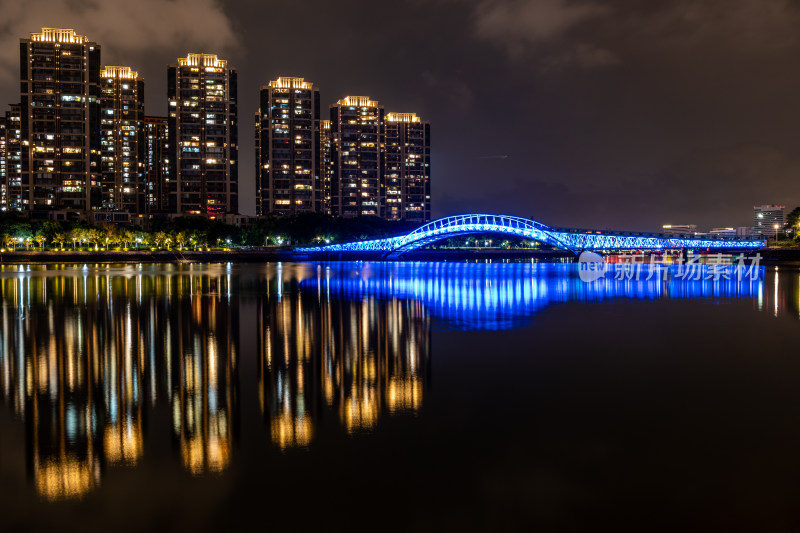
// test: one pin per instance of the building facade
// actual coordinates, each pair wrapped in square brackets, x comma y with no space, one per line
[326,169]
[288,148]
[12,159]
[768,220]
[203,136]
[60,130]
[15,200]
[357,157]
[407,191]
[156,165]
[122,142]
[3,157]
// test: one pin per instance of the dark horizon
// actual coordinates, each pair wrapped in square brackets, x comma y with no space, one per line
[596,114]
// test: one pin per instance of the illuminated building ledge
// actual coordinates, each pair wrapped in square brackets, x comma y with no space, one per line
[118,72]
[572,240]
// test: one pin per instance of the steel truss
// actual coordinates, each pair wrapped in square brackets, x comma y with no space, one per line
[572,240]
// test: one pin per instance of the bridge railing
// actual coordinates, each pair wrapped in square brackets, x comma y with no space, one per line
[567,238]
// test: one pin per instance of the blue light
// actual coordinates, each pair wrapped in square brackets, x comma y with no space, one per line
[530,230]
[492,296]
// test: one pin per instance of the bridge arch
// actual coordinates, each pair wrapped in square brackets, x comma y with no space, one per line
[458,225]
[571,240]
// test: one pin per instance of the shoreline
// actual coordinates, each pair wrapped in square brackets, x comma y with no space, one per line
[768,255]
[141,256]
[262,255]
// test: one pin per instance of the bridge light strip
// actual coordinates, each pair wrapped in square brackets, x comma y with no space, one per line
[529,229]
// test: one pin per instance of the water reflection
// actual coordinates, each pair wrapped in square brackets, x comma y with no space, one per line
[88,353]
[496,296]
[203,339]
[357,358]
[85,351]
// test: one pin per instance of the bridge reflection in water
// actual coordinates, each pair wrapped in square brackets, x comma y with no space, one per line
[88,354]
[495,296]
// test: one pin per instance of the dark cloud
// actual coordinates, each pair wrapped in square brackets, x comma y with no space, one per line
[519,24]
[617,113]
[123,28]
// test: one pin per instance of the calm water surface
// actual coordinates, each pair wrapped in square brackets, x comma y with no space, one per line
[395,396]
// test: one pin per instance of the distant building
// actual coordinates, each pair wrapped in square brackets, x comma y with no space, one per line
[679,229]
[122,141]
[288,148]
[407,189]
[60,93]
[357,157]
[768,219]
[203,136]
[156,165]
[723,232]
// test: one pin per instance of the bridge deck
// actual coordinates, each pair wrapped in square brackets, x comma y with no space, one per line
[574,240]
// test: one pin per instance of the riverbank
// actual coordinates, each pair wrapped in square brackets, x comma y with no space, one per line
[148,256]
[782,254]
[264,255]
[273,254]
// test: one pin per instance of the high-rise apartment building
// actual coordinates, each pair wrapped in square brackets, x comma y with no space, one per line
[156,164]
[357,156]
[122,141]
[326,168]
[407,190]
[203,136]
[768,219]
[3,174]
[288,148]
[15,200]
[60,93]
[257,137]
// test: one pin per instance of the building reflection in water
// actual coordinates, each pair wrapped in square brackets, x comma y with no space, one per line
[85,350]
[204,341]
[321,355]
[87,353]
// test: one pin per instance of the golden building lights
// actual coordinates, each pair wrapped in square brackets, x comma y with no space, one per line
[203,137]
[408,169]
[123,145]
[357,157]
[358,101]
[407,118]
[288,158]
[202,60]
[355,360]
[58,35]
[60,92]
[156,164]
[204,380]
[64,479]
[84,366]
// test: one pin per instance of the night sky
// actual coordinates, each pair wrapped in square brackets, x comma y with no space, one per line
[617,114]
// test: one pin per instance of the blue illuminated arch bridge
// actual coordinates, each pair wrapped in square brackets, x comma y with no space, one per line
[573,240]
